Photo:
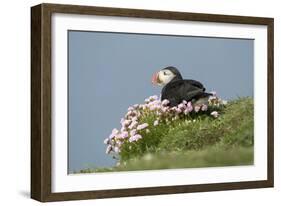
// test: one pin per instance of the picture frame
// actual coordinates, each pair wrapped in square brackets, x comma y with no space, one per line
[42,89]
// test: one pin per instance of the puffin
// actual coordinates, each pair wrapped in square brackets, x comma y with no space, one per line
[176,89]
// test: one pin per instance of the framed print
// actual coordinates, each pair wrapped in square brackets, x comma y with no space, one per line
[128,102]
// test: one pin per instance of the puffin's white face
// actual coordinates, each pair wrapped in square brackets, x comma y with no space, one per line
[163,77]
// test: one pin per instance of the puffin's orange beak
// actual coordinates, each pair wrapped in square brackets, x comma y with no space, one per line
[155,79]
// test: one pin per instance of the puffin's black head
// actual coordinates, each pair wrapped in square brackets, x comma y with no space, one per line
[166,75]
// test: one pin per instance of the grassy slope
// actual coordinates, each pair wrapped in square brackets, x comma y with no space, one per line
[198,141]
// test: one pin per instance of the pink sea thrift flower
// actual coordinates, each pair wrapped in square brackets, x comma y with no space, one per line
[189,107]
[147,100]
[215,114]
[113,133]
[119,143]
[124,134]
[212,99]
[134,119]
[133,125]
[184,102]
[157,107]
[165,102]
[156,122]
[197,108]
[142,126]
[116,149]
[181,106]
[126,122]
[106,141]
[178,110]
[131,108]
[129,113]
[214,93]
[135,138]
[152,107]
[154,97]
[108,149]
[164,109]
[204,107]
[133,132]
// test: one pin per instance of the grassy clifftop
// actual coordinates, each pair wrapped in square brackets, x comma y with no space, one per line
[196,141]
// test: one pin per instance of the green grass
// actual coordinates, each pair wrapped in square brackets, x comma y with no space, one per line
[209,157]
[195,141]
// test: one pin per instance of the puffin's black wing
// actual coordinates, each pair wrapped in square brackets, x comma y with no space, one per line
[177,91]
[195,83]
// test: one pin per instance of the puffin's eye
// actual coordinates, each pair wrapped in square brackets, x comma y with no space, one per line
[165,73]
